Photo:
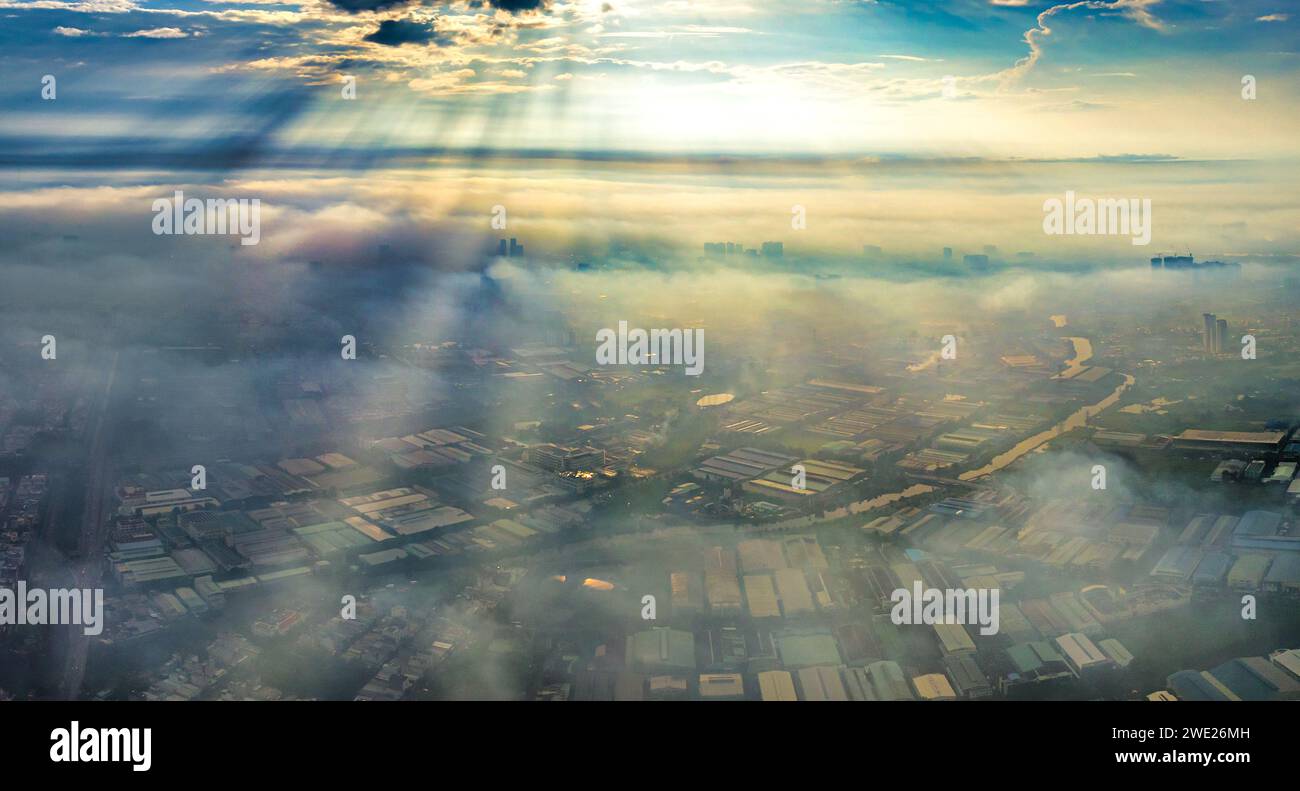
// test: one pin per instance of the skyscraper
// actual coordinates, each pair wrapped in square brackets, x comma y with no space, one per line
[1208,336]
[1220,336]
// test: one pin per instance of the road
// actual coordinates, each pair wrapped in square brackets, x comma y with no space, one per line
[88,568]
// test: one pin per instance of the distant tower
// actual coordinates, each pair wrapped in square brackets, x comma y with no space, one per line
[947,253]
[1221,336]
[1208,337]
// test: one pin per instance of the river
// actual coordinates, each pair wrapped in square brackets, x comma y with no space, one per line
[1075,420]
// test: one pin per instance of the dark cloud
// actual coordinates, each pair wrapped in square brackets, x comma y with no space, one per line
[396,32]
[514,6]
[356,6]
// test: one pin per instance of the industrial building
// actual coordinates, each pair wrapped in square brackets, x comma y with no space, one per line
[660,650]
[1261,530]
[1255,678]
[1284,575]
[1247,574]
[721,686]
[721,649]
[722,590]
[149,572]
[165,502]
[933,686]
[1213,570]
[792,587]
[1177,564]
[888,682]
[566,459]
[798,649]
[1081,654]
[1034,662]
[776,685]
[819,477]
[760,595]
[1116,652]
[1198,685]
[760,554]
[1229,442]
[741,465]
[822,683]
[967,678]
[1288,660]
[954,639]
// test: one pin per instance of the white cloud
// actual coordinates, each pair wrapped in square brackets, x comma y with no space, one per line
[158,32]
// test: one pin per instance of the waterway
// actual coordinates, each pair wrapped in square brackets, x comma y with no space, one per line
[1075,365]
[1075,420]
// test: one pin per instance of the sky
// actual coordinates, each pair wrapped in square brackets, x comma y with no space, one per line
[984,78]
[907,125]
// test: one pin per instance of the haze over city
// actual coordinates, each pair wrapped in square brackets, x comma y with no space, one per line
[528,350]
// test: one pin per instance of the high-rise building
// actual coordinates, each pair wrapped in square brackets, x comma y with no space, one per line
[1220,336]
[947,253]
[773,249]
[1208,336]
[565,459]
[509,248]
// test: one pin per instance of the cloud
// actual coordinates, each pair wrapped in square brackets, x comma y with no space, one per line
[1272,18]
[71,32]
[1076,105]
[515,6]
[1135,10]
[158,32]
[357,6]
[396,32]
